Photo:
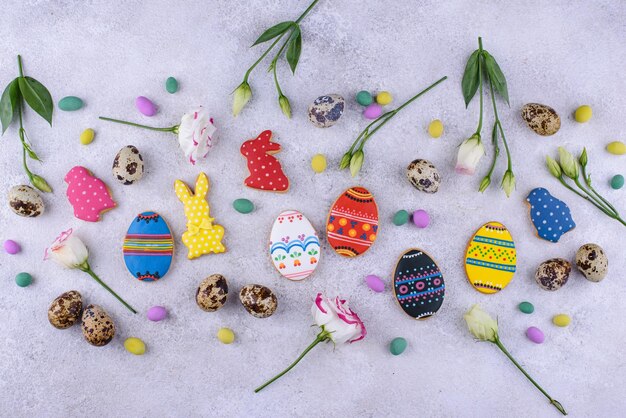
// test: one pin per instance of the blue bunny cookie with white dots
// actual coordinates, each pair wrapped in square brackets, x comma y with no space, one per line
[550,216]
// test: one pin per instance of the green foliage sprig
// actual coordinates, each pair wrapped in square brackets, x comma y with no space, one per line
[37,97]
[293,46]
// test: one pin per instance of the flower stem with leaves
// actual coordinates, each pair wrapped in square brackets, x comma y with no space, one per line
[37,97]
[293,46]
[355,156]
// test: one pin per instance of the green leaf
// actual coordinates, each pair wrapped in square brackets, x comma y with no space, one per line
[9,104]
[471,78]
[496,76]
[294,48]
[37,97]
[273,32]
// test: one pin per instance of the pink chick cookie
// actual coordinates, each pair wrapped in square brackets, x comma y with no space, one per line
[88,195]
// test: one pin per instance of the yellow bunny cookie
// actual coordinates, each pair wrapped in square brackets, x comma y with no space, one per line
[202,236]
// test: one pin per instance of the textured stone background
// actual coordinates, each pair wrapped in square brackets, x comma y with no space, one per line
[108,52]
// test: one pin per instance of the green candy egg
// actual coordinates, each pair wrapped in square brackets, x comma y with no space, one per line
[70,103]
[171,85]
[243,206]
[364,98]
[617,181]
[526,307]
[401,217]
[23,279]
[397,346]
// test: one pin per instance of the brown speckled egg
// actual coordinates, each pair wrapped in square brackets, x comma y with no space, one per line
[128,165]
[258,300]
[212,292]
[592,262]
[98,327]
[25,201]
[541,118]
[424,176]
[325,111]
[553,274]
[65,310]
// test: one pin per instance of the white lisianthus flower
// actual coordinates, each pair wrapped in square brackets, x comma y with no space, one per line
[481,324]
[67,250]
[335,317]
[195,134]
[470,153]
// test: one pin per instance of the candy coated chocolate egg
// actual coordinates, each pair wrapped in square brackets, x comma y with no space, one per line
[135,346]
[294,246]
[526,307]
[364,98]
[98,327]
[243,206]
[375,283]
[401,217]
[23,279]
[384,98]
[373,111]
[87,136]
[553,274]
[145,106]
[617,182]
[490,259]
[212,293]
[352,224]
[318,163]
[70,103]
[616,148]
[11,247]
[583,114]
[535,335]
[171,85]
[435,128]
[148,247]
[157,313]
[65,310]
[397,346]
[421,218]
[418,284]
[226,335]
[561,320]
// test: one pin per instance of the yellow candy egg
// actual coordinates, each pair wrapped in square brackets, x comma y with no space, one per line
[616,148]
[561,320]
[318,163]
[583,114]
[135,346]
[435,129]
[384,98]
[226,335]
[86,137]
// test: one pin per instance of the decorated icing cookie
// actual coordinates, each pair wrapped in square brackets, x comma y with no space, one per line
[550,216]
[265,170]
[89,196]
[490,258]
[294,245]
[352,223]
[148,247]
[202,236]
[418,284]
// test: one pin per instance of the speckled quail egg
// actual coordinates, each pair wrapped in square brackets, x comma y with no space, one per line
[128,165]
[258,300]
[424,176]
[212,292]
[25,201]
[325,111]
[98,327]
[541,118]
[592,262]
[65,310]
[553,274]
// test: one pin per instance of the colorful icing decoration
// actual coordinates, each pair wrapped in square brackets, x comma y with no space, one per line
[202,236]
[294,245]
[550,216]
[352,223]
[148,247]
[88,195]
[265,170]
[490,258]
[418,284]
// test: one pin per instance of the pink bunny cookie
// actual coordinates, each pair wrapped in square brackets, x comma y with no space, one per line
[88,195]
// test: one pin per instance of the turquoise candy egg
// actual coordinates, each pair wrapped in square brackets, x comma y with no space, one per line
[243,206]
[23,279]
[401,217]
[364,98]
[70,103]
[397,346]
[526,307]
[617,182]
[171,85]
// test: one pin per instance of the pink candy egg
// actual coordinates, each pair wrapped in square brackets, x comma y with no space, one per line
[421,218]
[145,106]
[11,247]
[157,313]
[375,283]
[373,111]
[535,335]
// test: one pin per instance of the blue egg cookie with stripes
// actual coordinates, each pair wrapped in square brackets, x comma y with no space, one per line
[148,247]
[418,284]
[490,259]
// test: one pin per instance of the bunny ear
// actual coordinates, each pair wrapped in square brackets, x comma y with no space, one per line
[202,185]
[182,191]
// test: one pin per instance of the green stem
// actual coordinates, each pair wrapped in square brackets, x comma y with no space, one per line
[322,336]
[595,199]
[87,269]
[21,135]
[498,124]
[554,402]
[584,172]
[170,129]
[496,150]
[480,84]
[19,65]
[278,89]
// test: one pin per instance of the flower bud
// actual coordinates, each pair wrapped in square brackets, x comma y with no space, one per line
[484,184]
[568,163]
[345,161]
[283,101]
[481,324]
[508,183]
[242,95]
[554,167]
[40,183]
[583,158]
[470,153]
[356,162]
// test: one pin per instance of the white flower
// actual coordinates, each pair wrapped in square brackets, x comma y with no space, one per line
[67,250]
[470,153]
[335,317]
[195,134]
[481,325]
